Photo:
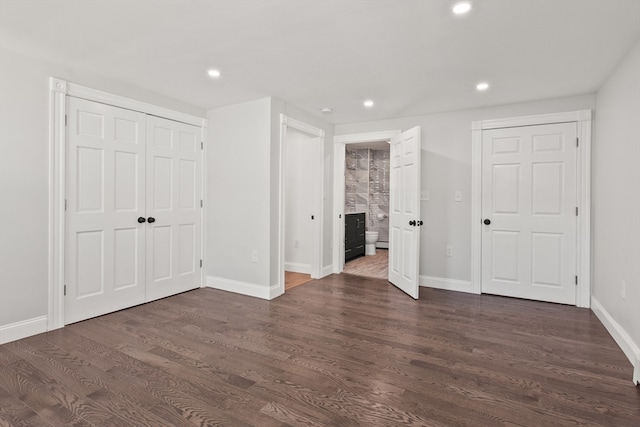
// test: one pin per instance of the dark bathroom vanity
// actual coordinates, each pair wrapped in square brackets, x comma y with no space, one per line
[354,228]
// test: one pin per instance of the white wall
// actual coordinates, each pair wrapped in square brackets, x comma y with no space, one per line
[299,202]
[243,154]
[238,197]
[446,168]
[616,203]
[24,172]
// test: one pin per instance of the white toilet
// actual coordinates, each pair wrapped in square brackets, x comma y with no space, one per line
[370,239]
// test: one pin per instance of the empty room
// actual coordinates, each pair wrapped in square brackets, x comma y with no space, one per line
[320,213]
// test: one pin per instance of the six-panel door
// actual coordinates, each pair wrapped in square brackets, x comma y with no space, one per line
[404,212]
[529,200]
[174,170]
[105,244]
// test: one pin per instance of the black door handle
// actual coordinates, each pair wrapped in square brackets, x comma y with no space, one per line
[412,223]
[487,221]
[151,220]
[141,219]
[420,223]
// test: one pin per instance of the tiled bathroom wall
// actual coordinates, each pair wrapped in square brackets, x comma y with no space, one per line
[367,187]
[357,180]
[379,169]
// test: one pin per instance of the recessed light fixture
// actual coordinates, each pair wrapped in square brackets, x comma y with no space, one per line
[461,8]
[482,86]
[213,73]
[368,103]
[327,110]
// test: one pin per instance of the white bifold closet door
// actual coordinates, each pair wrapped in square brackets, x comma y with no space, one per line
[124,168]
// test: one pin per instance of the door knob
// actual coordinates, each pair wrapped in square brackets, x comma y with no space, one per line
[412,223]
[487,221]
[141,219]
[151,220]
[420,223]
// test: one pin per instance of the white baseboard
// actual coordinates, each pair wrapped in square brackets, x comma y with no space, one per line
[382,245]
[447,284]
[25,328]
[297,267]
[243,288]
[620,336]
[327,270]
[275,291]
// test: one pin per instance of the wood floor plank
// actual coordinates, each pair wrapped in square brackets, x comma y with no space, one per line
[341,351]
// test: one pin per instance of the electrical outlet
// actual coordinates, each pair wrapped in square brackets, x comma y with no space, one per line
[254,256]
[449,250]
[457,196]
[623,289]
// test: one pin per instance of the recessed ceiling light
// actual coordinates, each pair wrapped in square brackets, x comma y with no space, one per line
[461,8]
[482,86]
[213,73]
[368,103]
[327,110]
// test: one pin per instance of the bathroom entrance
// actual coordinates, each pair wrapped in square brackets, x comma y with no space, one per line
[366,208]
[390,210]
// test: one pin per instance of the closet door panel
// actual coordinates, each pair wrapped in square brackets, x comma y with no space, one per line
[105,193]
[174,181]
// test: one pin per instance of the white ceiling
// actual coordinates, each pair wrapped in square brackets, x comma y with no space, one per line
[410,57]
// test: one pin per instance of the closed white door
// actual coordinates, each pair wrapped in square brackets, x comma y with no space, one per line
[404,212]
[105,243]
[174,171]
[529,212]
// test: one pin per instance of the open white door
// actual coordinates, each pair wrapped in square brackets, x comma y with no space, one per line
[404,211]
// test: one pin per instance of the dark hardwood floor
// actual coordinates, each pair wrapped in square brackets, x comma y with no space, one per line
[346,351]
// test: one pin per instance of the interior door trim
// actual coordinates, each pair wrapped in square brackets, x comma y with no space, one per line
[583,120]
[59,89]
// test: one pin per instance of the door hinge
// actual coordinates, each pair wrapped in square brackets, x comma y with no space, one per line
[65,204]
[65,119]
[576,211]
[65,290]
[202,145]
[201,203]
[576,280]
[200,263]
[577,142]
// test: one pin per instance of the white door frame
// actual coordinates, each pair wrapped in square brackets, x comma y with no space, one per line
[318,191]
[582,119]
[340,143]
[58,91]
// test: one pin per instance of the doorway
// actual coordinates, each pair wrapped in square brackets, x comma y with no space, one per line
[301,202]
[367,184]
[404,205]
